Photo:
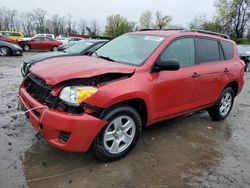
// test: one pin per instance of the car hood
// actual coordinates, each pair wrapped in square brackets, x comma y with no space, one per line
[56,70]
[44,56]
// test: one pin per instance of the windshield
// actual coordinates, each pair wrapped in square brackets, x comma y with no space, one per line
[244,49]
[78,47]
[130,49]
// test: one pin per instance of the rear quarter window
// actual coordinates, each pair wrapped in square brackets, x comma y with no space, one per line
[208,50]
[228,49]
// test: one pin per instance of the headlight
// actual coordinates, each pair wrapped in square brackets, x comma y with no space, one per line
[74,95]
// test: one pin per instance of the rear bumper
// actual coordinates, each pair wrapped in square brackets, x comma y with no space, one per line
[50,123]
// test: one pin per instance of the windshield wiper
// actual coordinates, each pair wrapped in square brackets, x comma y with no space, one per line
[106,58]
[103,57]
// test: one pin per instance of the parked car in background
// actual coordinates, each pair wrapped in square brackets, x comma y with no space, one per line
[40,43]
[71,42]
[64,40]
[84,47]
[12,34]
[133,81]
[244,52]
[7,49]
[6,39]
[45,35]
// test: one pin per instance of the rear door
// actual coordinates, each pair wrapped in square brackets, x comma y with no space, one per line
[210,71]
[48,43]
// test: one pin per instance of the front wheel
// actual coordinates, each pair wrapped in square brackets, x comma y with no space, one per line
[223,106]
[120,134]
[54,48]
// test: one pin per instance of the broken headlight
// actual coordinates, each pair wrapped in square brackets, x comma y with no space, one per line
[75,95]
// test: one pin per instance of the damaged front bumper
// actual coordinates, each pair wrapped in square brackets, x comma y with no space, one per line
[65,131]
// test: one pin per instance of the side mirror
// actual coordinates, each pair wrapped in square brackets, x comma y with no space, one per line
[170,65]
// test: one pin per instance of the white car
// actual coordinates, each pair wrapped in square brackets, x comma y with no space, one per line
[45,35]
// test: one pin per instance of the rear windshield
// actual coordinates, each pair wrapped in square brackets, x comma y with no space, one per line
[228,49]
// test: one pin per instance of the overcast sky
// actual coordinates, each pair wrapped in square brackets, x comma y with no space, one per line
[182,11]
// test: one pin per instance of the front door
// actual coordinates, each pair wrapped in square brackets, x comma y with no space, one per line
[173,90]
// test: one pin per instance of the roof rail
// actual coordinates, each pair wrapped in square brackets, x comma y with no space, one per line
[178,29]
[207,32]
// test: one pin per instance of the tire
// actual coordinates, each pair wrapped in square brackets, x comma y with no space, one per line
[4,51]
[223,106]
[54,48]
[247,67]
[115,140]
[26,48]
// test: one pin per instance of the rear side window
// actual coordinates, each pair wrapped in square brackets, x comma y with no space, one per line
[228,49]
[208,50]
[16,34]
[182,50]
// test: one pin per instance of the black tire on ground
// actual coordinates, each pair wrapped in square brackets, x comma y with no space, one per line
[247,69]
[26,48]
[223,106]
[114,141]
[5,51]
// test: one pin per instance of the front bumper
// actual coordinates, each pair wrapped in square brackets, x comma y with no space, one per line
[17,52]
[50,123]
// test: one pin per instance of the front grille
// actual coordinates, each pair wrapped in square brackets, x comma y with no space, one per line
[38,89]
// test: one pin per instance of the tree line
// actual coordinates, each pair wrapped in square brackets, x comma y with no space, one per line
[232,17]
[38,21]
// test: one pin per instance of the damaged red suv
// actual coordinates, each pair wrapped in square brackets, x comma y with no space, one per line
[140,78]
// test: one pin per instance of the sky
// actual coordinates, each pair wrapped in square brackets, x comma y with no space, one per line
[181,11]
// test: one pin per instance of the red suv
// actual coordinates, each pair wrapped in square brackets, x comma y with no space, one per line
[137,79]
[40,43]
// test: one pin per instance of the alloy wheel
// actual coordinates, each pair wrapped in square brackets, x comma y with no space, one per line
[119,134]
[225,104]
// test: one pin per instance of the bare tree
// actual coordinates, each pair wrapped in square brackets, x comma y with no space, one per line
[162,21]
[146,20]
[27,23]
[82,26]
[93,28]
[40,19]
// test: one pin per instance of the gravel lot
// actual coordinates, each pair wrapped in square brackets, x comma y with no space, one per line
[191,151]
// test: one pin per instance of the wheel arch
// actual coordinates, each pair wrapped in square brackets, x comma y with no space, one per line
[234,85]
[138,104]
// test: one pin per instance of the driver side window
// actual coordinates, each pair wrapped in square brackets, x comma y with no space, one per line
[181,50]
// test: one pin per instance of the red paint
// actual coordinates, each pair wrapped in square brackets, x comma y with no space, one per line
[167,94]
[6,39]
[44,45]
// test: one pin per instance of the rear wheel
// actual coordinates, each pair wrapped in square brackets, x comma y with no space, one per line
[120,135]
[223,106]
[26,48]
[4,51]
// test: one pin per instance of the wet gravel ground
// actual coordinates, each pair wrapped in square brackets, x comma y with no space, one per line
[191,151]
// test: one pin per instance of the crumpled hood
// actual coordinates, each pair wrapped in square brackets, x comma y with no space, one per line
[44,56]
[56,70]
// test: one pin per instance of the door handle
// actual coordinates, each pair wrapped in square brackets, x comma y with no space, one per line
[226,70]
[196,75]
